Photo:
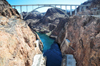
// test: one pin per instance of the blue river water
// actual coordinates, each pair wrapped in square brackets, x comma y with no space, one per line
[51,50]
[47,41]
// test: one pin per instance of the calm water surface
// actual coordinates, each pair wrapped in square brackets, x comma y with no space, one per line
[47,41]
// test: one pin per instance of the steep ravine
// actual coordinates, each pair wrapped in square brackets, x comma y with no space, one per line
[83,31]
[18,44]
[84,35]
[51,50]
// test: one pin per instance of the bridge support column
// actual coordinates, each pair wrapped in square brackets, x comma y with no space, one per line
[84,8]
[80,8]
[66,9]
[60,6]
[55,5]
[70,10]
[32,7]
[26,8]
[75,10]
[21,12]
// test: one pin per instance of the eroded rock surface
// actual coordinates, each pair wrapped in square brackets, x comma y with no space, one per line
[17,45]
[49,21]
[6,9]
[17,41]
[83,31]
[84,35]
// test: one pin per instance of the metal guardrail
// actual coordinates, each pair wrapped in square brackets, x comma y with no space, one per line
[52,5]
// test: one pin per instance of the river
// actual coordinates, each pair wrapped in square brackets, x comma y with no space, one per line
[47,41]
[51,50]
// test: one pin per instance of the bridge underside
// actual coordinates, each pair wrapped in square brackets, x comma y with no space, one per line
[77,8]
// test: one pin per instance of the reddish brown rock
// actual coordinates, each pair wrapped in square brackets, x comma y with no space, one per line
[17,41]
[17,45]
[6,10]
[56,31]
[84,35]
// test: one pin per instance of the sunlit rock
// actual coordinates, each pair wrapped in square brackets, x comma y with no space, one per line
[17,47]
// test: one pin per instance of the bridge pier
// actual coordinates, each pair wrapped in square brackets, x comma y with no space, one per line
[66,9]
[60,6]
[21,12]
[80,8]
[26,8]
[75,10]
[70,10]
[84,8]
[55,5]
[32,7]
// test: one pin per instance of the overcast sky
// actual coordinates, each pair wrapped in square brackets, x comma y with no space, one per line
[22,2]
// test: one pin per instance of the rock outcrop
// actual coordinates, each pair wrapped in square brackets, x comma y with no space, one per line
[49,22]
[83,31]
[84,35]
[59,27]
[92,8]
[17,41]
[6,9]
[32,15]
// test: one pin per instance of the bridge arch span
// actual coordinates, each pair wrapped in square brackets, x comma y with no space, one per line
[78,8]
[43,7]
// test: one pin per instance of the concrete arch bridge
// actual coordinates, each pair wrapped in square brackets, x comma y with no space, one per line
[37,6]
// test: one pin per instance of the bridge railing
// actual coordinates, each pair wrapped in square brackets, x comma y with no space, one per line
[77,8]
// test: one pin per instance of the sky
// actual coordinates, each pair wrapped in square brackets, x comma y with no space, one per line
[44,9]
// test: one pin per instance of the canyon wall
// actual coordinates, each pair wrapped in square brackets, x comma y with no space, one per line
[17,41]
[83,32]
[84,35]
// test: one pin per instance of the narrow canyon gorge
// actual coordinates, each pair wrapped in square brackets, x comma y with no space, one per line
[48,39]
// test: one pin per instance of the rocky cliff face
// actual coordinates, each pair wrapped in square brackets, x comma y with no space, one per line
[59,27]
[84,35]
[49,22]
[52,14]
[6,9]
[33,15]
[17,41]
[92,8]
